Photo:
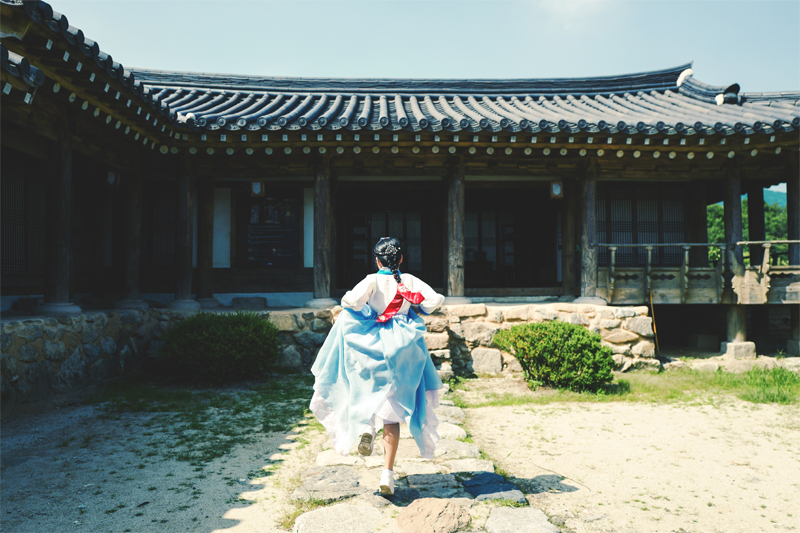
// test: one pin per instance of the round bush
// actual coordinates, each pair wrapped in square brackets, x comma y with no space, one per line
[217,347]
[559,355]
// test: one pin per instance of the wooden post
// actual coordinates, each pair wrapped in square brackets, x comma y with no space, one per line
[588,231]
[205,242]
[59,229]
[183,241]
[755,222]
[793,209]
[132,187]
[793,344]
[455,217]
[569,228]
[323,234]
[697,224]
[737,326]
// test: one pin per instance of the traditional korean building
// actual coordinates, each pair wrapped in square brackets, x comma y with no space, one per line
[121,185]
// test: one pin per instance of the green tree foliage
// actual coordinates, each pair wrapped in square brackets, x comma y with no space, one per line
[219,347]
[558,354]
[775,220]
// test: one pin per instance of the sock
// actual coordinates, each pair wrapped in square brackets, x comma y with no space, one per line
[390,472]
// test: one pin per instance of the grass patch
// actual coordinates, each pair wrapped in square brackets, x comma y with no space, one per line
[777,385]
[201,425]
[505,502]
[287,521]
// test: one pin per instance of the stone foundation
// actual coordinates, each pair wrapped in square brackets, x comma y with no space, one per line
[44,356]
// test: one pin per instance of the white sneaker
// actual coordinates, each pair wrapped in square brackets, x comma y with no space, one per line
[387,482]
[366,444]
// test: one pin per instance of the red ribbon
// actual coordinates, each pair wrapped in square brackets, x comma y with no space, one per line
[397,302]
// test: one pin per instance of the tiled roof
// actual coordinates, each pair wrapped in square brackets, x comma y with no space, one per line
[668,101]
[19,67]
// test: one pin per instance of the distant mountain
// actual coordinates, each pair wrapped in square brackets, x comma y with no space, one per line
[775,197]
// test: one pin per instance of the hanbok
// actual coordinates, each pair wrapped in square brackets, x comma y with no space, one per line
[375,364]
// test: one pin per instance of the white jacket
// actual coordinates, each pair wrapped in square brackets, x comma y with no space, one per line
[380,289]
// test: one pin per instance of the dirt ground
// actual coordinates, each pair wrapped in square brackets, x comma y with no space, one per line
[725,467]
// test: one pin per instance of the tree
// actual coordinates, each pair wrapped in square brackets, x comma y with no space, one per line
[775,220]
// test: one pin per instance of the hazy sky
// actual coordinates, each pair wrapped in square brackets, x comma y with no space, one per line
[754,43]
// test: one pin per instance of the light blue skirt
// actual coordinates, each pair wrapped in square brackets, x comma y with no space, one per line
[360,363]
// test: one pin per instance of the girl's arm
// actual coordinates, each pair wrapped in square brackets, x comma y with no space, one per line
[432,298]
[359,295]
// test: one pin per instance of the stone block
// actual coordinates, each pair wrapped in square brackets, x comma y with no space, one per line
[571,318]
[436,324]
[545,313]
[31,333]
[445,371]
[320,325]
[790,363]
[55,351]
[329,483]
[494,315]
[432,515]
[28,353]
[469,465]
[622,363]
[675,365]
[644,349]
[90,334]
[487,360]
[440,354]
[72,372]
[283,321]
[510,363]
[610,323]
[618,336]
[447,430]
[705,366]
[565,307]
[523,312]
[481,333]
[519,520]
[436,341]
[640,324]
[108,345]
[585,309]
[453,413]
[54,332]
[324,314]
[624,312]
[738,350]
[92,351]
[131,317]
[704,342]
[467,310]
[340,518]
[291,357]
[646,364]
[604,312]
[310,339]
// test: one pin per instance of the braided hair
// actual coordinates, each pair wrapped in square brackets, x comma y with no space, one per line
[389,253]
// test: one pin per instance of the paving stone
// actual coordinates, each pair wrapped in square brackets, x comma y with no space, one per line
[330,483]
[374,461]
[341,518]
[432,515]
[416,481]
[333,458]
[469,465]
[407,449]
[519,520]
[505,491]
[642,325]
[454,413]
[485,478]
[705,366]
[419,468]
[487,360]
[447,430]
[446,402]
[455,449]
[373,500]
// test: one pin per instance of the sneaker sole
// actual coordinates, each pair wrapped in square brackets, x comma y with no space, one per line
[365,448]
[386,489]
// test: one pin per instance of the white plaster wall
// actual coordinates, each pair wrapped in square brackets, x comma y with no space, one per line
[222,228]
[308,228]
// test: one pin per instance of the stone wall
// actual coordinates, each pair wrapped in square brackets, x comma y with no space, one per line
[460,336]
[44,356]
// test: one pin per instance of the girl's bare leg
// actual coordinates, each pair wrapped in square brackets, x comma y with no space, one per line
[391,437]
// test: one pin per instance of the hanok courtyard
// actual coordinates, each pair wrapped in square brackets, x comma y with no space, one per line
[133,198]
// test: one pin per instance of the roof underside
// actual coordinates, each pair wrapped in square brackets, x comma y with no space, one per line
[668,101]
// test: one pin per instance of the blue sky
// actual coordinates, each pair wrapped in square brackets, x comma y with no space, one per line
[754,43]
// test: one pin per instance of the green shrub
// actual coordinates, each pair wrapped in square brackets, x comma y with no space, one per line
[217,347]
[559,355]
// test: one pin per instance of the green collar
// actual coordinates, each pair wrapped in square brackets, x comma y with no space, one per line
[386,271]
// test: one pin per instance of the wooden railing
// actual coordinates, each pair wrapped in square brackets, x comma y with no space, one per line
[692,284]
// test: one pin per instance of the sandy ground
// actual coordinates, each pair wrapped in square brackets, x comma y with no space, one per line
[69,470]
[728,467]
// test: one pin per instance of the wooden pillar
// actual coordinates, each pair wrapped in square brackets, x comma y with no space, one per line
[58,235]
[132,190]
[588,231]
[455,218]
[793,209]
[793,344]
[697,224]
[183,241]
[569,229]
[755,222]
[323,233]
[737,325]
[205,242]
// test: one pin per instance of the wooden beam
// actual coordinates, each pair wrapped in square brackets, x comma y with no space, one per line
[588,231]
[183,239]
[792,177]
[736,322]
[323,229]
[455,217]
[755,222]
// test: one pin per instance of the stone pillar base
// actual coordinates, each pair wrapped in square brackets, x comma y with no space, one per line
[457,300]
[321,303]
[57,309]
[130,304]
[183,305]
[738,350]
[793,347]
[594,300]
[208,303]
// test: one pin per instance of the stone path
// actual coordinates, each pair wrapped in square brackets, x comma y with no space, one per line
[456,491]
